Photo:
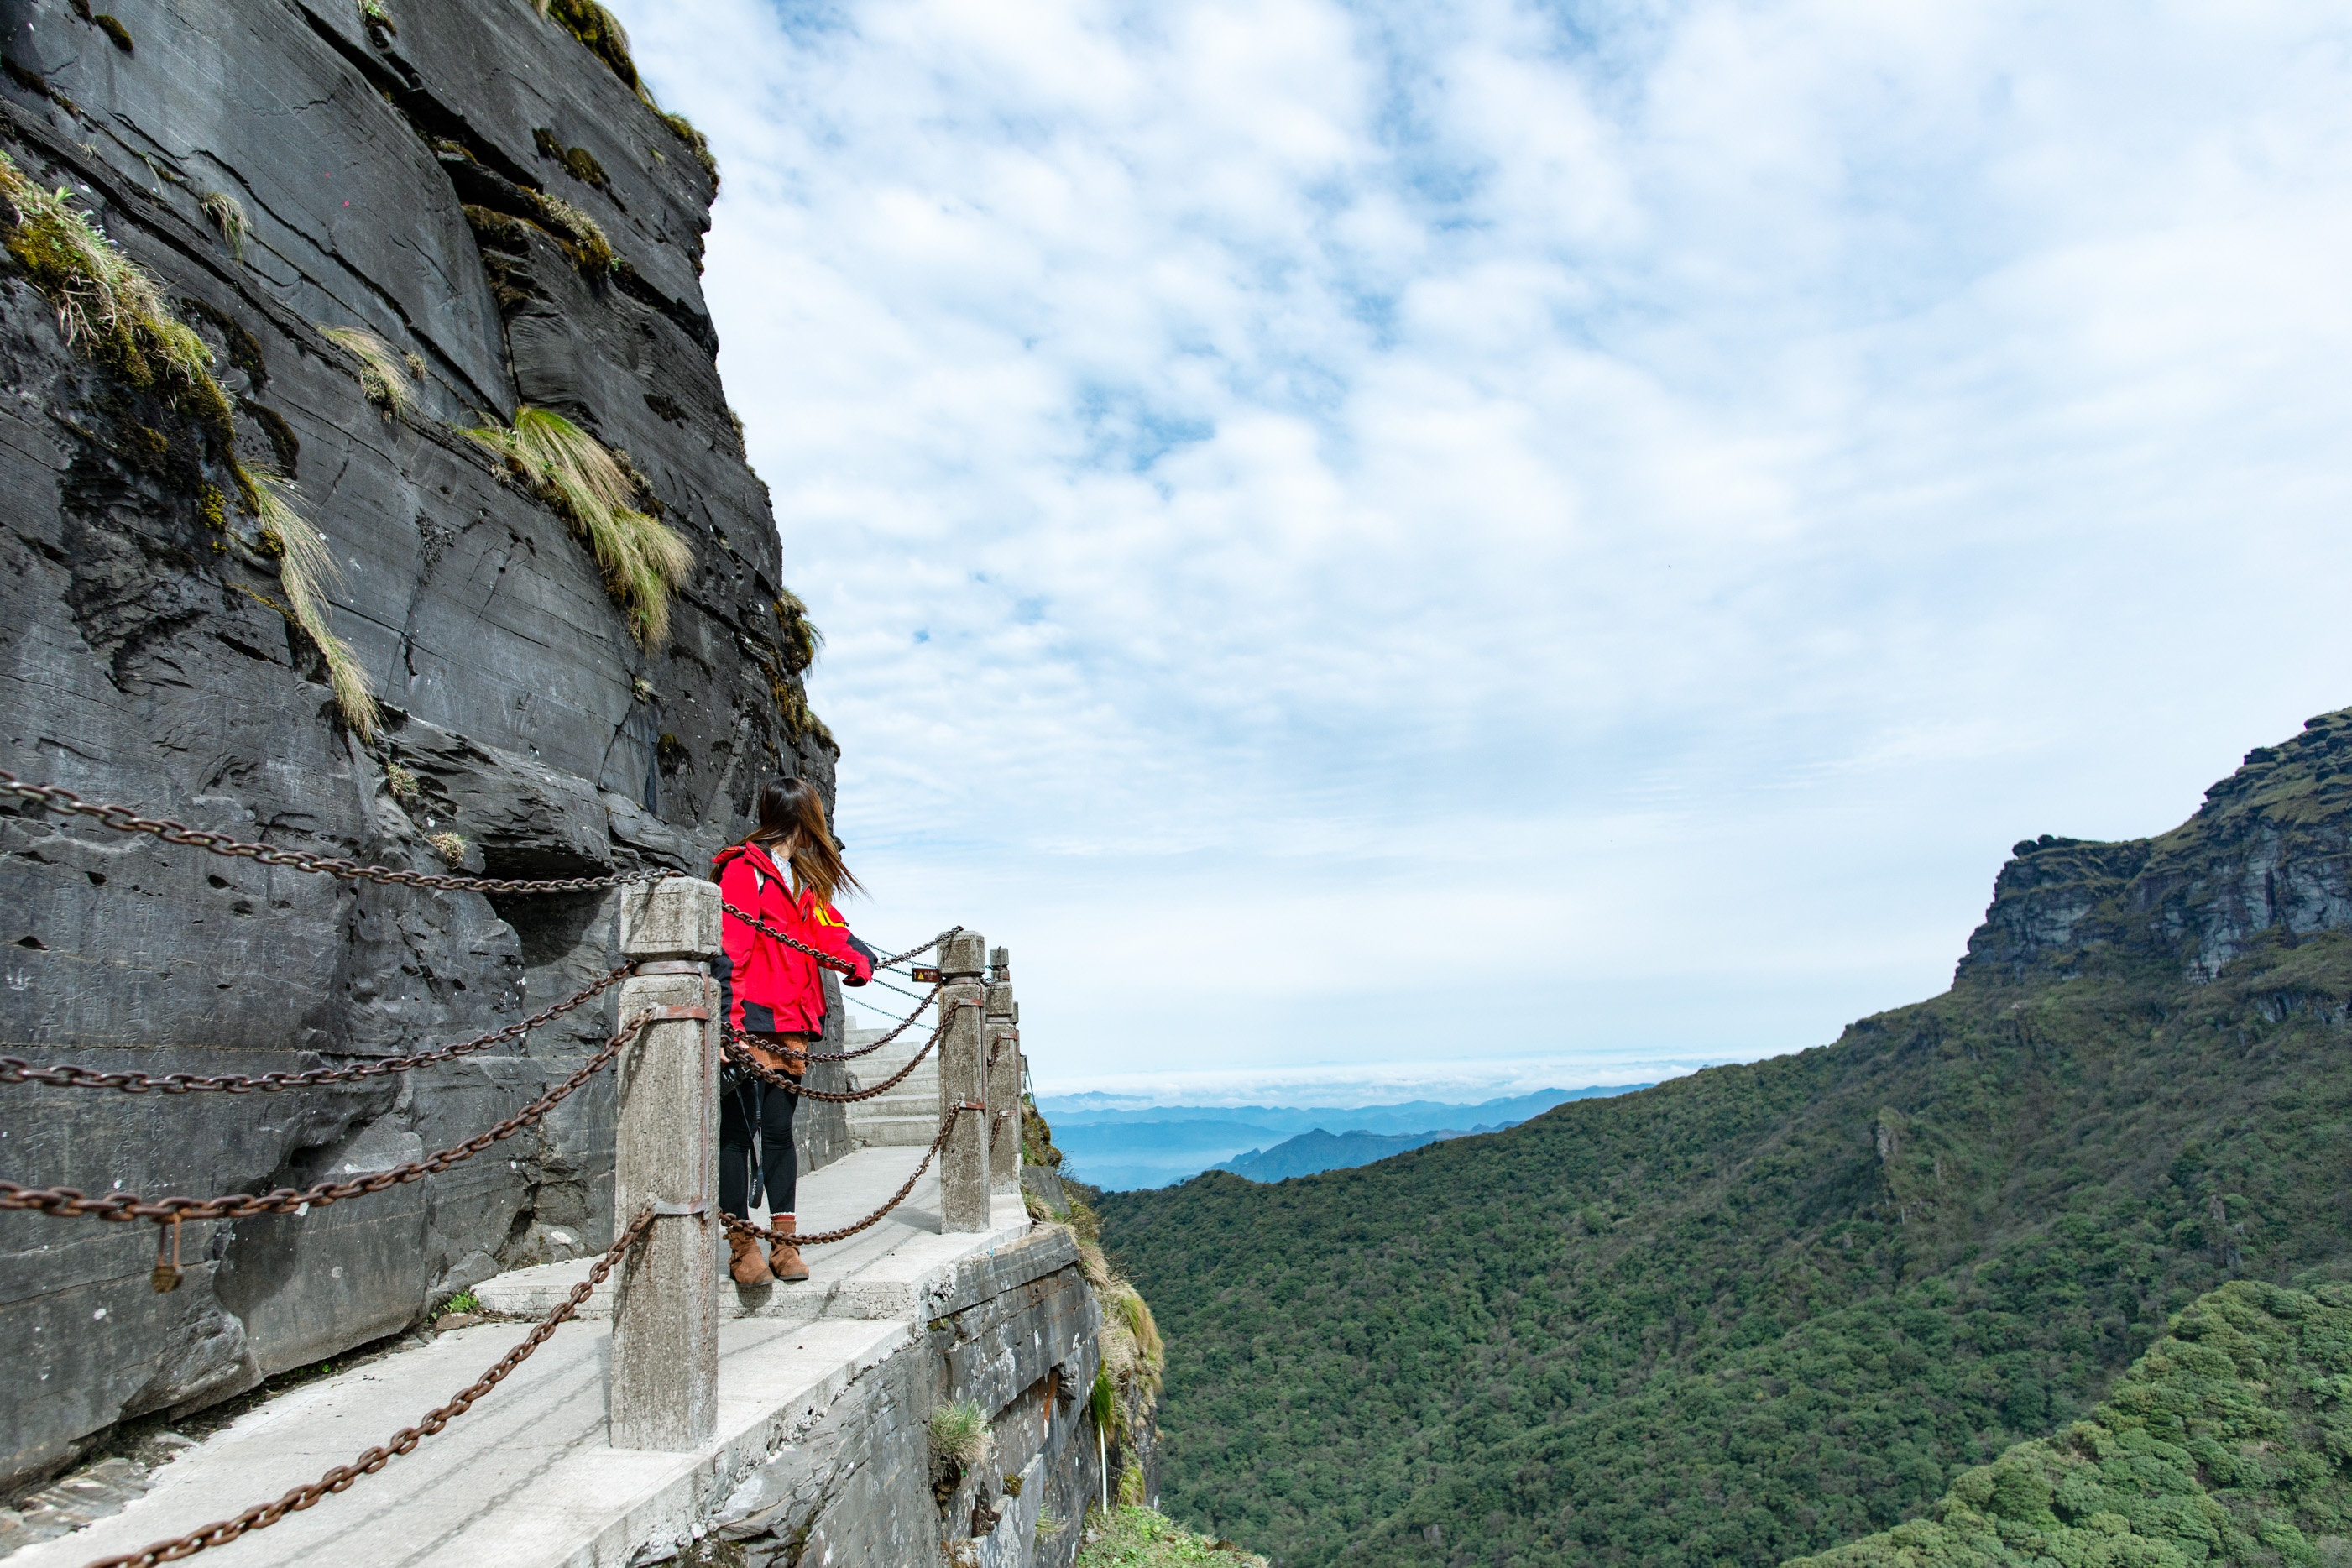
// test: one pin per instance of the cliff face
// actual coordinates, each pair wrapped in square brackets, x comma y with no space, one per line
[481,188]
[2267,858]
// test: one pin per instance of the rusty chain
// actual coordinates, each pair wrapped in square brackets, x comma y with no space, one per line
[897,958]
[735,1045]
[15,1069]
[819,1238]
[262,1515]
[68,1203]
[838,965]
[122,819]
[799,1055]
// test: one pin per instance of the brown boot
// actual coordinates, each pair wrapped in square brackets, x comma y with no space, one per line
[784,1258]
[745,1264]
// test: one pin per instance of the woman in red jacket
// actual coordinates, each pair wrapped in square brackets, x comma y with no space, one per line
[787,874]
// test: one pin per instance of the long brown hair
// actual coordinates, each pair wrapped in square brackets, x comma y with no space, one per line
[792,830]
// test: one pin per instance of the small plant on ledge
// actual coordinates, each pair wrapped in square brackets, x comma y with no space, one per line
[449,846]
[959,1435]
[379,368]
[229,215]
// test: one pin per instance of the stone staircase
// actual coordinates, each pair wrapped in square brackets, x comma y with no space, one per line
[910,1114]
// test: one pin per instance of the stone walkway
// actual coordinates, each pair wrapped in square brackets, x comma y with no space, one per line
[526,1479]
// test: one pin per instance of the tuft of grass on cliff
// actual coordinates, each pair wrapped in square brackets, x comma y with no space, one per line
[645,561]
[1133,1536]
[114,310]
[2229,1442]
[1752,1313]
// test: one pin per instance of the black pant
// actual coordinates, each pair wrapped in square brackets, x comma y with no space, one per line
[741,1105]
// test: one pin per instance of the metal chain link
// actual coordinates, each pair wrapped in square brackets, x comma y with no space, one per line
[124,820]
[734,1044]
[866,1050]
[69,1203]
[262,1515]
[820,1239]
[840,966]
[897,958]
[15,1069]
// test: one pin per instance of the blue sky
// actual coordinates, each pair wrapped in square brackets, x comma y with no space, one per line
[1449,548]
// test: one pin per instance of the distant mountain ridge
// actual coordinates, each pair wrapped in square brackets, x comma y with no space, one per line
[1153,1146]
[1320,1151]
[1753,1313]
[1407,1116]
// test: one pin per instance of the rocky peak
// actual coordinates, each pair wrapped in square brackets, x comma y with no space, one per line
[2268,855]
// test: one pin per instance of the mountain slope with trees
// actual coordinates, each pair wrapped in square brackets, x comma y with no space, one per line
[1763,1310]
[2231,1441]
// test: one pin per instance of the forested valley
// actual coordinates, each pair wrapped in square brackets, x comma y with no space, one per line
[1765,1312]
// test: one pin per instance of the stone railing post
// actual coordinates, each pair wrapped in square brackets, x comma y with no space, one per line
[963,1080]
[1004,1029]
[664,1393]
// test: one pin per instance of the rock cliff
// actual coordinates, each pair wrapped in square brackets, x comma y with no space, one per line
[2268,858]
[386,223]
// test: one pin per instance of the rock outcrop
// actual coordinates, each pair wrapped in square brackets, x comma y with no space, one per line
[2268,858]
[482,188]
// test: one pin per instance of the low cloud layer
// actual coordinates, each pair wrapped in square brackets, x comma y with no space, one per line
[1377,535]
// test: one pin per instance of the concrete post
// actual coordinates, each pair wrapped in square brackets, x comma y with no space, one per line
[1003,1017]
[963,1078]
[663,1394]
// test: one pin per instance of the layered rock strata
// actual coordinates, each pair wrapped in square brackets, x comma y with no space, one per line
[497,204]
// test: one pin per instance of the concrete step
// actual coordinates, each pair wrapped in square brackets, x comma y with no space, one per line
[918,1088]
[895,1105]
[913,1092]
[897,1131]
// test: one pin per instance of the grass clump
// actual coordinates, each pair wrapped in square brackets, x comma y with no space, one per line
[382,375]
[590,250]
[698,144]
[401,780]
[1133,1536]
[462,1301]
[602,32]
[450,846]
[960,1435]
[103,298]
[228,216]
[306,571]
[643,561]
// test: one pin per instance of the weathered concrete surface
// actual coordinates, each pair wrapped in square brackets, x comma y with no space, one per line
[1003,1017]
[963,1083]
[141,660]
[901,1267]
[666,1292]
[819,1454]
[862,1490]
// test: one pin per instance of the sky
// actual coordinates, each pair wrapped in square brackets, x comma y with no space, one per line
[1447,548]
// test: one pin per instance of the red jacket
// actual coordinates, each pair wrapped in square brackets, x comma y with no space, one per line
[773,988]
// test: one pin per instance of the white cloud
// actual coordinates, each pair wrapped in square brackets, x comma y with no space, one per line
[1378,534]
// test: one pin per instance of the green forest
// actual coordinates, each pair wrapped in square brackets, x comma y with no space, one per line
[1760,1311]
[2231,1441]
